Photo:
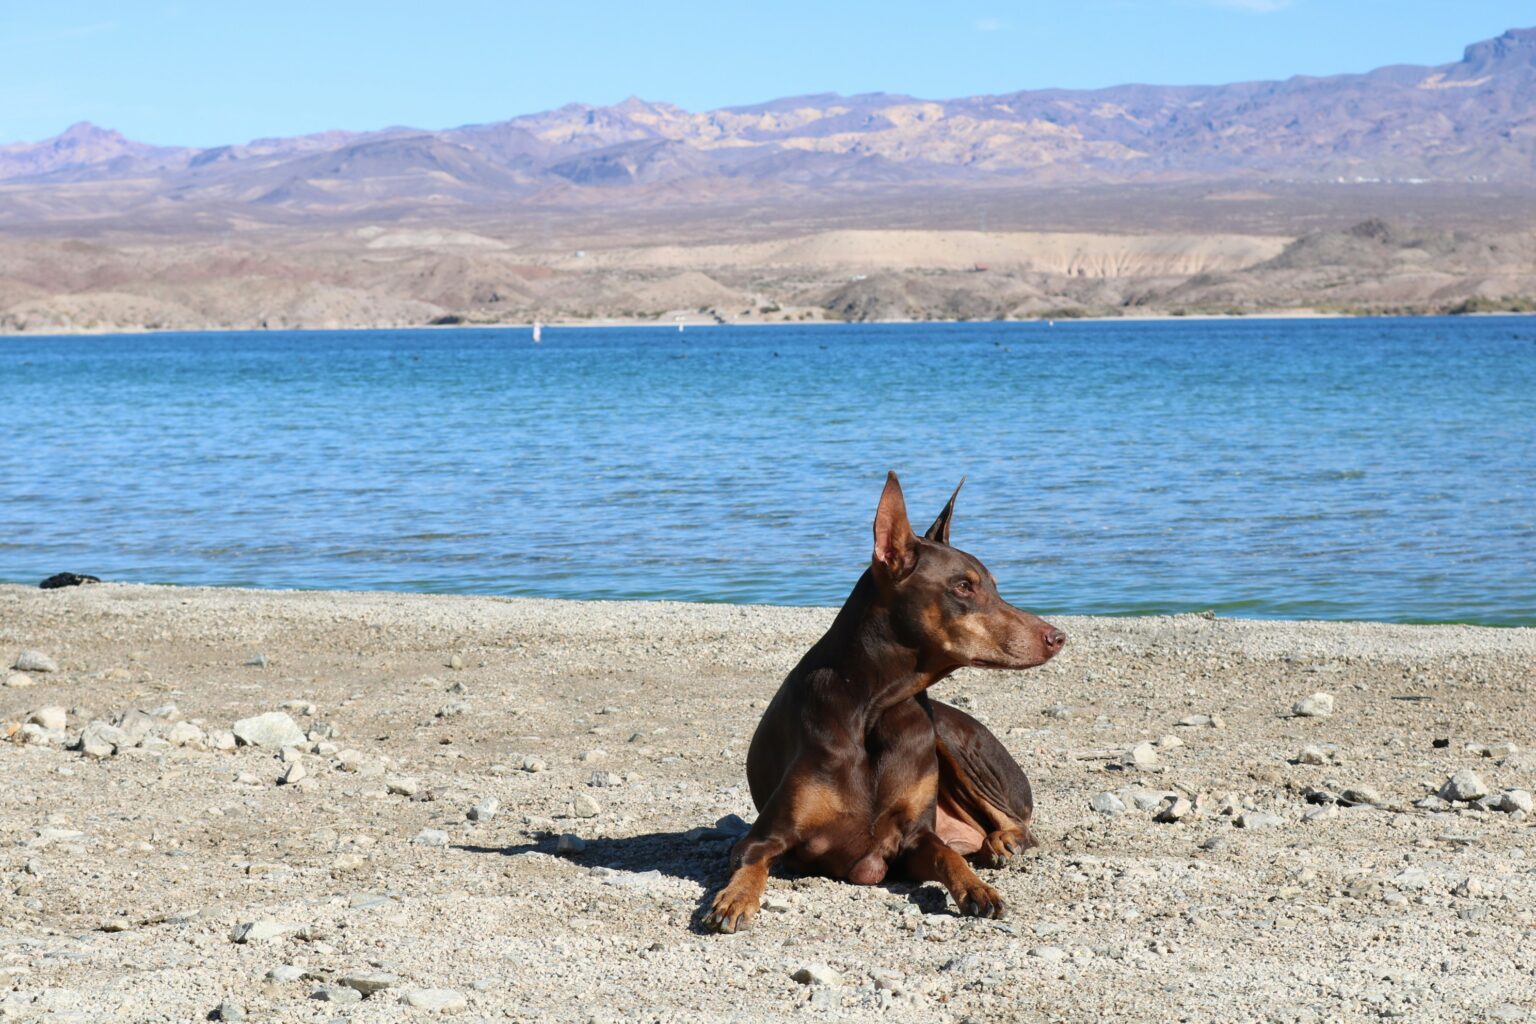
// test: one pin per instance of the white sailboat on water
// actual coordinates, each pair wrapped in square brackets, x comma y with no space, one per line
[538,331]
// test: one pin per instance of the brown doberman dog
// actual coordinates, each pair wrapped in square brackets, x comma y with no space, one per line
[854,770]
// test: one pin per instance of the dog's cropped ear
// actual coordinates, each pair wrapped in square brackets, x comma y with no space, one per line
[895,543]
[939,531]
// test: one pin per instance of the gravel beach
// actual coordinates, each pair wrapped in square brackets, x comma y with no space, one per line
[307,806]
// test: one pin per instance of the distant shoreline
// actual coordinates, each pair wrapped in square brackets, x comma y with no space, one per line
[610,322]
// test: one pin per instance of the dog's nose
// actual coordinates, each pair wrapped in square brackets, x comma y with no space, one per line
[1054,639]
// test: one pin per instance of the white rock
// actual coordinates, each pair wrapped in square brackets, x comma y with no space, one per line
[1464,785]
[1142,753]
[485,810]
[222,739]
[286,972]
[585,806]
[368,982]
[295,773]
[102,740]
[185,734]
[533,764]
[1107,804]
[1050,954]
[1516,800]
[1312,755]
[273,730]
[818,974]
[1257,819]
[431,837]
[259,931]
[1173,809]
[136,724]
[34,661]
[18,680]
[51,717]
[1319,705]
[401,785]
[438,1000]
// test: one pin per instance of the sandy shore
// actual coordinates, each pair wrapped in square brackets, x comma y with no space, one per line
[125,876]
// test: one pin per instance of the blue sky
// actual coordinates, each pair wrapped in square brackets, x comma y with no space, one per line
[212,72]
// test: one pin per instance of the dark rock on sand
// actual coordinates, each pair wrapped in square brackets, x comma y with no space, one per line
[67,579]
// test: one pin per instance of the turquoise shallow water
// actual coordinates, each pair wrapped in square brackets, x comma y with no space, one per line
[1370,469]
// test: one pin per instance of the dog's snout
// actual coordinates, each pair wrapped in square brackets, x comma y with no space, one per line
[1054,639]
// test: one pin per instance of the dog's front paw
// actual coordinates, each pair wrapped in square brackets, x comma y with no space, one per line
[978,899]
[1000,848]
[732,909]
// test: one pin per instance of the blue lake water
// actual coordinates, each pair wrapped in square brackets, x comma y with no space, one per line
[1370,469]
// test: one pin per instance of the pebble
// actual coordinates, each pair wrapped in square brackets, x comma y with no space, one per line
[1107,804]
[51,717]
[1170,742]
[453,709]
[185,734]
[1354,796]
[1311,755]
[222,739]
[273,730]
[368,982]
[1050,954]
[1061,712]
[1464,785]
[286,972]
[18,680]
[592,756]
[1142,753]
[295,773]
[1199,722]
[485,810]
[1257,819]
[1468,887]
[431,837]
[586,807]
[302,708]
[336,994]
[455,662]
[1319,705]
[248,779]
[34,661]
[568,843]
[1321,813]
[817,974]
[1516,800]
[604,780]
[229,1011]
[533,764]
[437,1000]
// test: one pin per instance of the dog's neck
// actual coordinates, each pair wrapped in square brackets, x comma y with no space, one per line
[866,650]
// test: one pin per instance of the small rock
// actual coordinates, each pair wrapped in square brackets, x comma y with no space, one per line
[604,780]
[259,931]
[1355,796]
[592,756]
[336,994]
[1173,809]
[102,740]
[1058,711]
[431,837]
[34,661]
[295,773]
[1107,804]
[569,843]
[453,710]
[1512,800]
[257,661]
[136,724]
[286,973]
[1320,813]
[455,662]
[1311,755]
[533,764]
[1469,887]
[1141,754]
[1199,722]
[1170,742]
[818,974]
[1464,785]
[51,717]
[437,1000]
[368,982]
[1050,954]
[585,806]
[1257,819]
[1319,705]
[273,730]
[733,825]
[222,739]
[248,779]
[185,734]
[485,810]
[229,1011]
[401,785]
[18,680]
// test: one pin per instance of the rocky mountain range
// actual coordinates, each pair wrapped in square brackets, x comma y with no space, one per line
[1473,120]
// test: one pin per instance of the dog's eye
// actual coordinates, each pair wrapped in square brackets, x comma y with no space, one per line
[965,588]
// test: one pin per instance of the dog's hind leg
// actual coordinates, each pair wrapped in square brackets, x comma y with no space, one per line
[981,786]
